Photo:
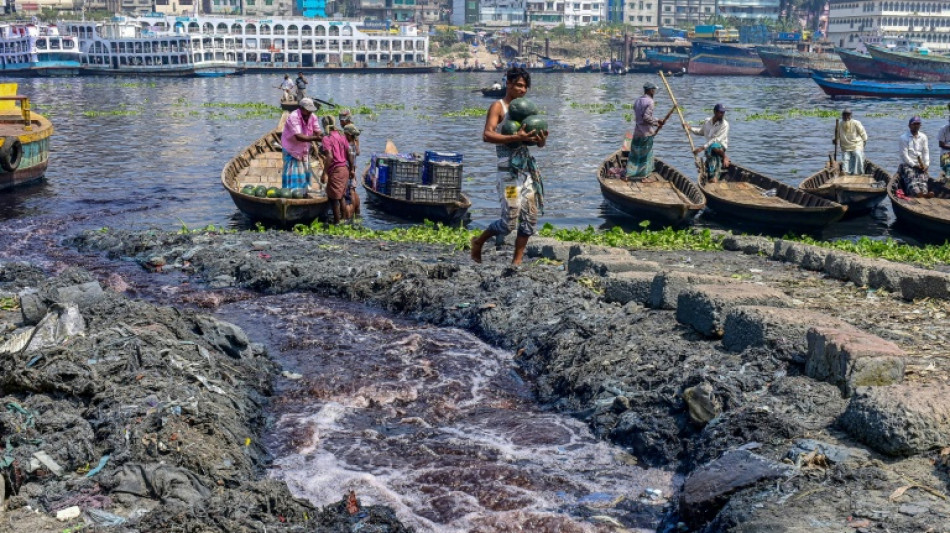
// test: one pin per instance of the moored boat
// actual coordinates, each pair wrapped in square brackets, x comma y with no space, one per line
[24,139]
[261,164]
[881,89]
[665,197]
[493,93]
[667,61]
[718,59]
[747,196]
[860,65]
[860,193]
[910,65]
[930,217]
[804,72]
[774,58]
[37,50]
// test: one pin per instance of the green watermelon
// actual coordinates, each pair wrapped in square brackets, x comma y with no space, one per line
[535,123]
[284,192]
[510,127]
[522,108]
[260,191]
[248,190]
[272,192]
[299,194]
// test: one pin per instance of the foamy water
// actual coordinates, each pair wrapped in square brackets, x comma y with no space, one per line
[437,425]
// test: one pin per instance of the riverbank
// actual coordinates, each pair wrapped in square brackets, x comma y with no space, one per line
[775,427]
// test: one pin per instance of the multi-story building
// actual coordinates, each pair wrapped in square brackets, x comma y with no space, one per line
[268,8]
[584,12]
[165,7]
[548,13]
[641,13]
[852,22]
[221,7]
[686,13]
[502,12]
[312,8]
[749,9]
[32,7]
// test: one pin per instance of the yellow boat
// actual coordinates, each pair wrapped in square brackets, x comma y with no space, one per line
[24,139]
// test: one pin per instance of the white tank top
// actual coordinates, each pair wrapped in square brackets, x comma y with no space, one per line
[502,151]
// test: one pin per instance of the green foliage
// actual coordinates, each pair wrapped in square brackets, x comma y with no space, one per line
[429,232]
[467,112]
[664,239]
[600,108]
[928,255]
[113,113]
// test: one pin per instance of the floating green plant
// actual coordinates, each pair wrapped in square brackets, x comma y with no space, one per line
[113,113]
[467,112]
[390,106]
[240,105]
[136,84]
[596,107]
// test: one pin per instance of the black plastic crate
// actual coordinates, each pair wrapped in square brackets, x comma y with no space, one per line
[406,171]
[444,174]
[448,194]
[422,193]
[399,190]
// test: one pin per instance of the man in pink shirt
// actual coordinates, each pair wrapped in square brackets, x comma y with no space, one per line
[340,167]
[300,129]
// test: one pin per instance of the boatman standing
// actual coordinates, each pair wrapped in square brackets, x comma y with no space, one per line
[301,83]
[640,158]
[852,138]
[288,87]
[520,187]
[716,131]
[300,129]
[915,160]
[944,138]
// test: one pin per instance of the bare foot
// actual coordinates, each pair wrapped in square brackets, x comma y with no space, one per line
[476,250]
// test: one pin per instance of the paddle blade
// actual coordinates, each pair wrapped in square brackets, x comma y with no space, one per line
[391,147]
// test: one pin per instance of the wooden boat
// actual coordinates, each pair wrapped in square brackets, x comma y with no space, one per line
[747,196]
[448,212]
[928,216]
[805,72]
[848,87]
[774,58]
[262,163]
[859,65]
[493,93]
[861,193]
[910,65]
[666,197]
[288,104]
[24,139]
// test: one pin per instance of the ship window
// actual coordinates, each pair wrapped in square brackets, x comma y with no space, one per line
[279,30]
[320,44]
[265,29]
[397,45]
[334,30]
[306,31]
[194,28]
[208,28]
[347,44]
[321,30]
[236,29]
[250,29]
[347,31]
[279,43]
[252,57]
[373,45]
[293,30]
[222,28]
[250,43]
[293,44]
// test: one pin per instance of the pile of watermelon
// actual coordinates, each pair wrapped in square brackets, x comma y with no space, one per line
[523,112]
[261,191]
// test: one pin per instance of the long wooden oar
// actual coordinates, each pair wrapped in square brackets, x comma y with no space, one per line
[679,112]
[836,140]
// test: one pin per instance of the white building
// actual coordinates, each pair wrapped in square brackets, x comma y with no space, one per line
[641,13]
[749,9]
[686,13]
[547,13]
[584,12]
[502,12]
[851,22]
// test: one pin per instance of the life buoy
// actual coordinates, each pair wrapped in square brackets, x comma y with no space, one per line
[11,153]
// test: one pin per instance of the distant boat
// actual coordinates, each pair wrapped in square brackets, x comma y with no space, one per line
[860,65]
[861,193]
[667,61]
[911,65]
[24,147]
[666,197]
[835,87]
[493,93]
[775,58]
[747,196]
[31,50]
[805,72]
[929,216]
[717,59]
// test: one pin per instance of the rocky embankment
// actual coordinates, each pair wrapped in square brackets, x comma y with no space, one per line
[797,389]
[119,415]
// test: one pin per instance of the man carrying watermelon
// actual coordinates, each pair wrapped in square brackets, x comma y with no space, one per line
[300,129]
[512,124]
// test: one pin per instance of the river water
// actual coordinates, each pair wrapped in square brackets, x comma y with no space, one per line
[148,152]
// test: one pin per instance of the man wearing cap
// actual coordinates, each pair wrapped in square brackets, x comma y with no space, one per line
[346,120]
[640,158]
[852,138]
[287,86]
[915,160]
[944,139]
[301,83]
[351,199]
[716,131]
[300,129]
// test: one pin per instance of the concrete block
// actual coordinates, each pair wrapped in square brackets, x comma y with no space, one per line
[83,295]
[748,244]
[33,307]
[593,249]
[904,419]
[667,286]
[918,283]
[886,275]
[785,329]
[535,246]
[851,358]
[804,255]
[611,263]
[629,287]
[838,264]
[705,307]
[859,271]
[558,251]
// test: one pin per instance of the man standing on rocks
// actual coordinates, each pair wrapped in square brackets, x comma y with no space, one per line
[519,183]
[915,160]
[852,138]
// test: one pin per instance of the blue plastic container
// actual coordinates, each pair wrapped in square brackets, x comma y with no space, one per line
[438,157]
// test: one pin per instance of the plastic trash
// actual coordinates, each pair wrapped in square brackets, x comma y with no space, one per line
[99,467]
[62,322]
[48,462]
[102,518]
[770,192]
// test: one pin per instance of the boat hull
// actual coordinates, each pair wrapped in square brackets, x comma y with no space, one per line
[859,199]
[494,93]
[774,60]
[913,215]
[847,87]
[670,62]
[35,144]
[641,207]
[449,213]
[860,65]
[908,66]
[714,59]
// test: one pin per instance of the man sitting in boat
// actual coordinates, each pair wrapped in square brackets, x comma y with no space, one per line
[288,87]
[915,160]
[716,131]
[853,139]
[300,129]
[640,159]
[944,139]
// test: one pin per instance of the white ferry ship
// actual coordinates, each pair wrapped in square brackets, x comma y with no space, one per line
[37,50]
[215,45]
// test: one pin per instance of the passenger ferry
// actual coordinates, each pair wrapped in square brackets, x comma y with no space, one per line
[217,45]
[31,50]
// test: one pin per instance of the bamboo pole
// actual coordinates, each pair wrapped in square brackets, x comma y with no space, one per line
[692,147]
